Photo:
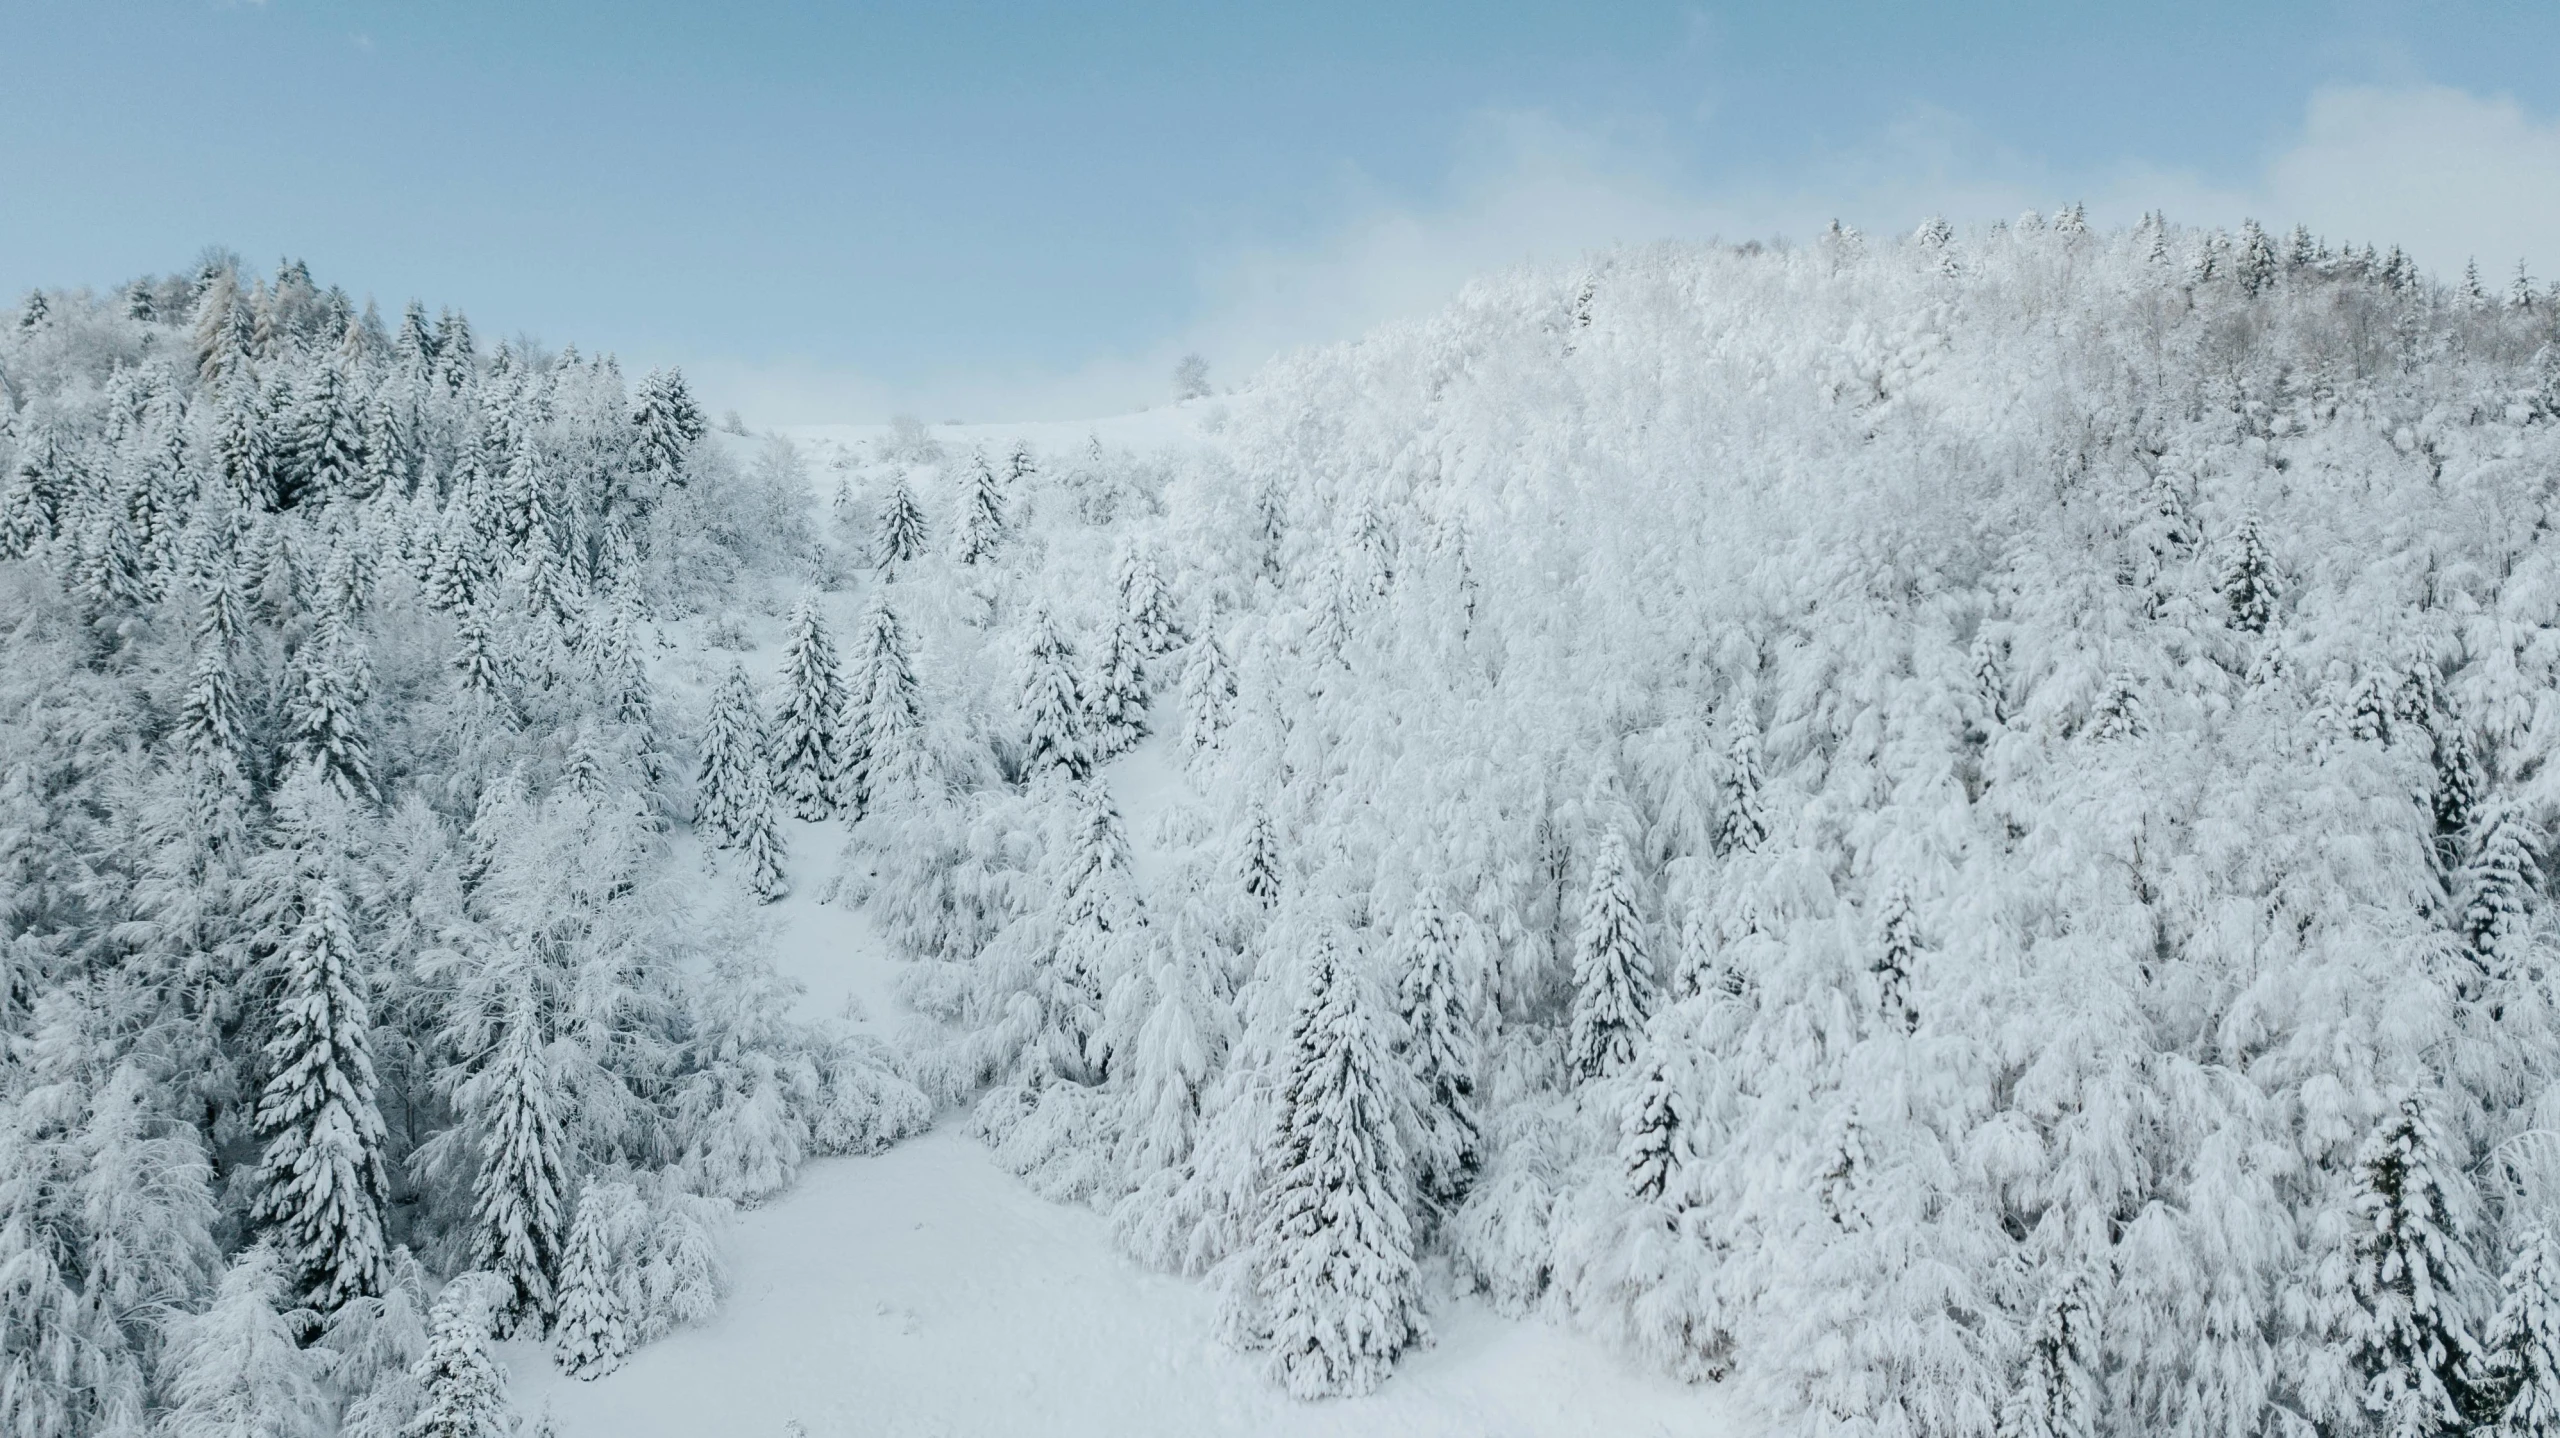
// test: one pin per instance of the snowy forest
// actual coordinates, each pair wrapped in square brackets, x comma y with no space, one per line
[1946,833]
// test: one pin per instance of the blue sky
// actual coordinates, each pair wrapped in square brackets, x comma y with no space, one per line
[833,212]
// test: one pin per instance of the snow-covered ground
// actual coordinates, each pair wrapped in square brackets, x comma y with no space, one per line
[925,1291]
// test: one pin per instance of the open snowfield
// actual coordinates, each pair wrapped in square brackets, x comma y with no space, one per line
[925,1292]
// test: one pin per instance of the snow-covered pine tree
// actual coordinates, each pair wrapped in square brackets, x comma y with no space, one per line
[591,1335]
[2410,1277]
[901,535]
[2060,1394]
[1337,1292]
[2248,580]
[884,740]
[1653,1138]
[235,1370]
[1741,826]
[465,1390]
[1119,712]
[2498,889]
[1146,605]
[1096,923]
[2517,1392]
[1897,957]
[733,756]
[1437,997]
[1173,1058]
[327,730]
[321,1186]
[982,525]
[514,1104]
[478,666]
[808,733]
[1053,704]
[665,427]
[760,840]
[1208,695]
[1613,983]
[1258,866]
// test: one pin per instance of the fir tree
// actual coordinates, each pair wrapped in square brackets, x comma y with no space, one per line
[327,728]
[666,427]
[1146,606]
[2248,580]
[1435,998]
[760,837]
[465,1391]
[901,534]
[2497,892]
[2059,1396]
[2519,1387]
[322,1191]
[733,751]
[235,1370]
[884,740]
[476,665]
[1653,1135]
[591,1336]
[1258,860]
[1741,826]
[1053,705]
[1119,711]
[1333,1257]
[516,1202]
[808,733]
[1208,695]
[981,514]
[2256,270]
[1896,960]
[2411,1268]
[1613,986]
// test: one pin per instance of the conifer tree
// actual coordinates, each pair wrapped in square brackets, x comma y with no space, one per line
[327,727]
[2059,1395]
[476,664]
[465,1391]
[1119,712]
[2256,269]
[666,427]
[1436,999]
[1146,605]
[761,839]
[808,733]
[1258,861]
[1613,985]
[1333,1255]
[1895,961]
[1741,826]
[235,1370]
[981,513]
[209,715]
[1053,705]
[2519,1384]
[514,1103]
[884,740]
[1653,1133]
[2248,581]
[1095,923]
[2411,1266]
[733,751]
[591,1336]
[2497,891]
[1208,695]
[322,1190]
[901,534]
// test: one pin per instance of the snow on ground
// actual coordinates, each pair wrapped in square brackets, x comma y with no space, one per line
[925,1292]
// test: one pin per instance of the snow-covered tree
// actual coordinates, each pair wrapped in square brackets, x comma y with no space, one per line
[591,1335]
[1741,825]
[2411,1277]
[1613,984]
[1437,998]
[1054,720]
[514,1103]
[465,1391]
[885,749]
[2248,580]
[322,1189]
[732,779]
[2517,1392]
[901,535]
[1119,704]
[808,733]
[1336,1290]
[982,521]
[1897,957]
[234,1370]
[1208,695]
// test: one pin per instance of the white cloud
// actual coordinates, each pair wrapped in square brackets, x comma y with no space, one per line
[2445,173]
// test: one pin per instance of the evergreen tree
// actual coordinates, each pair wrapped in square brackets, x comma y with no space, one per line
[591,1336]
[901,536]
[2256,270]
[2497,892]
[514,1104]
[1208,695]
[476,662]
[2248,581]
[761,838]
[1119,710]
[327,728]
[981,514]
[1896,961]
[1333,1258]
[733,751]
[808,734]
[465,1392]
[666,427]
[234,1370]
[2411,1266]
[1613,985]
[1258,861]
[884,740]
[2060,1396]
[1653,1129]
[324,453]
[2519,1386]
[322,1191]
[1053,704]
[1436,999]
[1741,826]
[1094,925]
[1146,606]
